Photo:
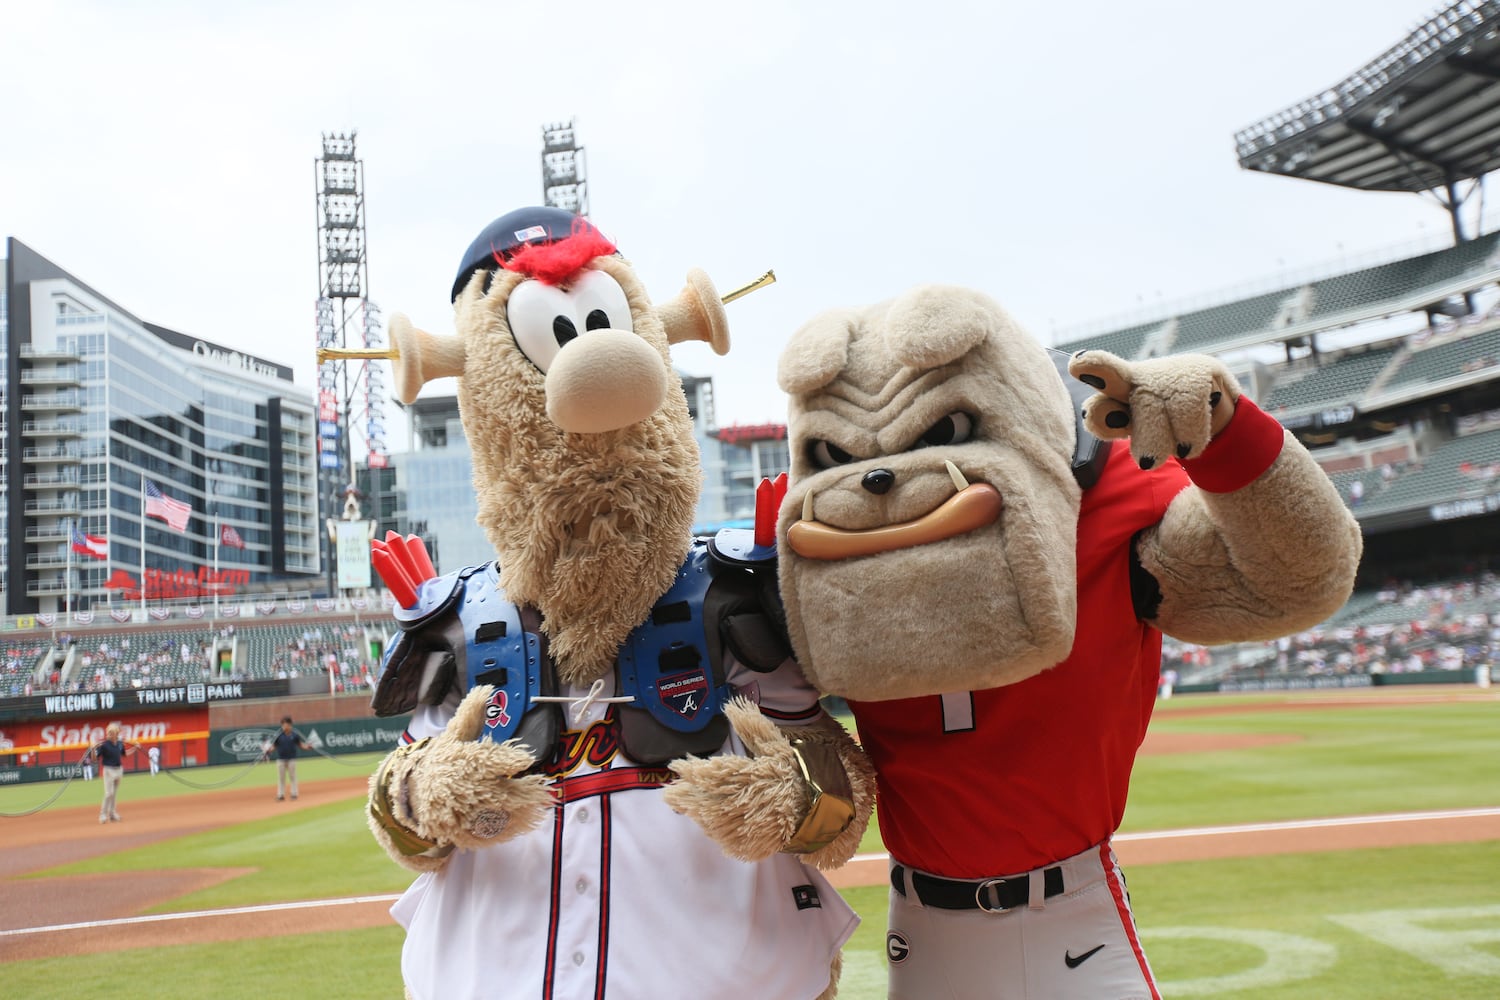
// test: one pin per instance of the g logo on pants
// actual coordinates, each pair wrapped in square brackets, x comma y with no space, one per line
[896,947]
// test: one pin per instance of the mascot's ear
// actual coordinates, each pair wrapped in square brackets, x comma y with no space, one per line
[932,325]
[816,353]
[421,357]
[697,313]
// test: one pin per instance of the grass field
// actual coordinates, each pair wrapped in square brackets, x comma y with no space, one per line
[1409,922]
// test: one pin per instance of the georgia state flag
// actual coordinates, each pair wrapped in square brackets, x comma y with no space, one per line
[90,545]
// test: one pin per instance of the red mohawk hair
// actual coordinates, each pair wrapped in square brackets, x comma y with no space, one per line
[555,263]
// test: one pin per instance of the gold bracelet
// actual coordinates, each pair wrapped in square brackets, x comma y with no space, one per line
[405,840]
[828,814]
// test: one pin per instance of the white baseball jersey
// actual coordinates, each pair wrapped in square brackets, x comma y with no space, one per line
[616,895]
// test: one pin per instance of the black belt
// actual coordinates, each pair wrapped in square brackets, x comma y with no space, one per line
[993,895]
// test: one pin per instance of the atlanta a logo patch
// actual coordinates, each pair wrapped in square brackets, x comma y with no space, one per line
[684,693]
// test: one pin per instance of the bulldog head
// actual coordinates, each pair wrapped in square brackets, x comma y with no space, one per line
[585,467]
[927,541]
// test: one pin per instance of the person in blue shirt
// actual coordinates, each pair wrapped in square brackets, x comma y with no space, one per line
[285,747]
[110,752]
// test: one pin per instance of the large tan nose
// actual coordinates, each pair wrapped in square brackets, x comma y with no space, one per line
[603,381]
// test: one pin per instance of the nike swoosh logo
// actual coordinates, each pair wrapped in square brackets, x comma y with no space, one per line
[1074,963]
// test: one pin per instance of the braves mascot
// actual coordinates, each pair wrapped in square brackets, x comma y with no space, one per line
[616,780]
[983,561]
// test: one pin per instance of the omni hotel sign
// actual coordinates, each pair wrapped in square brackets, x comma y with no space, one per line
[234,359]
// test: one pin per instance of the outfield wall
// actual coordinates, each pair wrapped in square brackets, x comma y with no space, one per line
[46,739]
[1479,676]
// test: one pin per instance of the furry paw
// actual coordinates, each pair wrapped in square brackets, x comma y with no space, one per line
[749,806]
[466,793]
[1167,407]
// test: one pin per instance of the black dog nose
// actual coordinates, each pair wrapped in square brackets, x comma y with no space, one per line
[879,481]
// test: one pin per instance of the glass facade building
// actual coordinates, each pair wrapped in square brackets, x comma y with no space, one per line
[96,403]
[435,486]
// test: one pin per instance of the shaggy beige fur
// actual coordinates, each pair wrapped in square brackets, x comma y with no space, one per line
[751,806]
[873,381]
[1274,557]
[456,791]
[589,528]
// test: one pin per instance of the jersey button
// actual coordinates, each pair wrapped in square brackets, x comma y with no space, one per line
[582,886]
[577,958]
[583,816]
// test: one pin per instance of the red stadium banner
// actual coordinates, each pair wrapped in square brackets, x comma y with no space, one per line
[181,736]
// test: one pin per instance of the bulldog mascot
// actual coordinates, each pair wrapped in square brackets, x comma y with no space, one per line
[983,562]
[616,781]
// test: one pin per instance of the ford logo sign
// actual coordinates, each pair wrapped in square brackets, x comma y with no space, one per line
[246,742]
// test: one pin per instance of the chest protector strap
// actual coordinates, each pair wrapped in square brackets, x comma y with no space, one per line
[503,650]
[678,683]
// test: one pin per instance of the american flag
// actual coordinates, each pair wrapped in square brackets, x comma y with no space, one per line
[90,545]
[228,536]
[174,512]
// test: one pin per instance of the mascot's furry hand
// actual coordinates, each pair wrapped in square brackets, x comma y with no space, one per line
[453,791]
[1165,406]
[759,805]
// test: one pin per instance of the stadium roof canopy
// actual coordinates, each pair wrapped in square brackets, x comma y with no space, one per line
[1422,116]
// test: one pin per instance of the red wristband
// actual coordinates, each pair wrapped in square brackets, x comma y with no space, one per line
[1241,452]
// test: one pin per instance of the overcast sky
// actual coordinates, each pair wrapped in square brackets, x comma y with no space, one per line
[1074,160]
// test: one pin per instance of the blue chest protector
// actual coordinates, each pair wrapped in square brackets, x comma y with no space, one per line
[672,665]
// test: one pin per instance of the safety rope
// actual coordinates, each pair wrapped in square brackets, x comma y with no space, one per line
[55,795]
[363,764]
[206,786]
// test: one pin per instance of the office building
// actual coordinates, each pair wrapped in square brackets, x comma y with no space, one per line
[99,406]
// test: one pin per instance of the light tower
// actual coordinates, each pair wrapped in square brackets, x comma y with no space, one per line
[344,312]
[563,184]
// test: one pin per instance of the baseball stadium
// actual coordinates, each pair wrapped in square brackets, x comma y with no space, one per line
[1310,818]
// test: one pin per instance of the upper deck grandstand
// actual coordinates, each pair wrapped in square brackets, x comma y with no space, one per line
[1388,371]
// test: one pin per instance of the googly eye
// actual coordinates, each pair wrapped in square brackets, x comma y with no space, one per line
[541,319]
[599,303]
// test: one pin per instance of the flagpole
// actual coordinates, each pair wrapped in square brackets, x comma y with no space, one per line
[143,545]
[217,539]
[68,573]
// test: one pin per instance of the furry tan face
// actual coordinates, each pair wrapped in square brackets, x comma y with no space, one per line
[588,527]
[900,577]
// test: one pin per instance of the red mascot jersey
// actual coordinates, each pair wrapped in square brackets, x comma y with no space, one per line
[1043,769]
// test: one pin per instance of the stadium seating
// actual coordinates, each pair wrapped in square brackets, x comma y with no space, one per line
[1454,470]
[152,657]
[1126,343]
[1441,626]
[1200,330]
[1347,297]
[1341,381]
[1447,359]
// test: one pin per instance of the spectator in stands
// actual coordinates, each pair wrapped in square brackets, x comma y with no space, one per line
[285,747]
[110,753]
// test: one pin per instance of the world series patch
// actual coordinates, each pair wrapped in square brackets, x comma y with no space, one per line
[684,693]
[806,897]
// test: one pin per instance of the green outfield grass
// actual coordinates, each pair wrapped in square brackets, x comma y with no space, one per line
[1410,922]
[184,781]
